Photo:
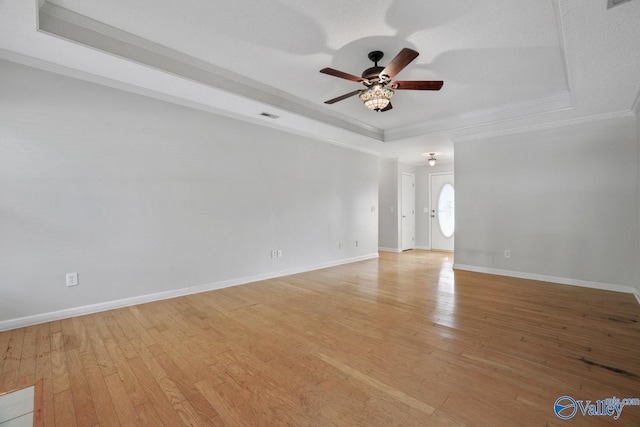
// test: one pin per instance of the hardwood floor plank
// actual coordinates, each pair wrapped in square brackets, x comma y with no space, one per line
[12,358]
[80,332]
[44,373]
[125,410]
[189,415]
[119,336]
[104,332]
[226,410]
[134,389]
[148,415]
[187,388]
[59,370]
[372,382]
[82,400]
[140,330]
[157,397]
[100,351]
[27,370]
[160,377]
[102,402]
[64,409]
[4,345]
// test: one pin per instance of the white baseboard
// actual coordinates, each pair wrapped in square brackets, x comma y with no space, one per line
[396,250]
[560,280]
[36,319]
[637,294]
[424,248]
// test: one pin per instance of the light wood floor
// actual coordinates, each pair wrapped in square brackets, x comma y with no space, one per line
[402,340]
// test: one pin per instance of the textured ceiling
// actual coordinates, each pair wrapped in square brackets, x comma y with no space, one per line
[504,63]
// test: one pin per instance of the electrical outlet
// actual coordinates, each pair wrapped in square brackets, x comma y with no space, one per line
[340,245]
[507,253]
[72,279]
[356,243]
[274,254]
[279,253]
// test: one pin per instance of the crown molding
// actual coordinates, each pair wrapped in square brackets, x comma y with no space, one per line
[554,103]
[543,126]
[635,108]
[563,46]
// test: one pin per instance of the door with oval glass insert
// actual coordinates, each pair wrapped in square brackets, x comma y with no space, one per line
[442,215]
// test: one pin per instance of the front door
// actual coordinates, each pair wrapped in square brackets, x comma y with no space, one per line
[442,212]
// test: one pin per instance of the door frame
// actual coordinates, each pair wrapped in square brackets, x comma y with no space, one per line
[401,234]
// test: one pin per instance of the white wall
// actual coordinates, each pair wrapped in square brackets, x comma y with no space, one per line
[423,194]
[390,193]
[140,196]
[564,201]
[388,205]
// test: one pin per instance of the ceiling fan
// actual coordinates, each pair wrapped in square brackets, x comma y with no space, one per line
[379,87]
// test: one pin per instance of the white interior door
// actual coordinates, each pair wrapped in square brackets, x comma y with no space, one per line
[408,211]
[443,210]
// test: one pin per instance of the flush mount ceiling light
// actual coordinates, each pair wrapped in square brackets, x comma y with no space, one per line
[432,159]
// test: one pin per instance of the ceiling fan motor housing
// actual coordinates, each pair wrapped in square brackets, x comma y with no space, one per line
[373,74]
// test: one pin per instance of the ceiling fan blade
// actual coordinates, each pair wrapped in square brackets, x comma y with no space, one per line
[341,74]
[340,98]
[387,108]
[401,60]
[417,85]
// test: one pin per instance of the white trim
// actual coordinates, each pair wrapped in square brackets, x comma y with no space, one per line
[635,108]
[544,126]
[553,103]
[563,47]
[400,205]
[424,248]
[552,279]
[396,250]
[637,294]
[21,322]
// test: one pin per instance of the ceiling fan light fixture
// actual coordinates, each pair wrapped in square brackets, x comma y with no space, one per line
[377,97]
